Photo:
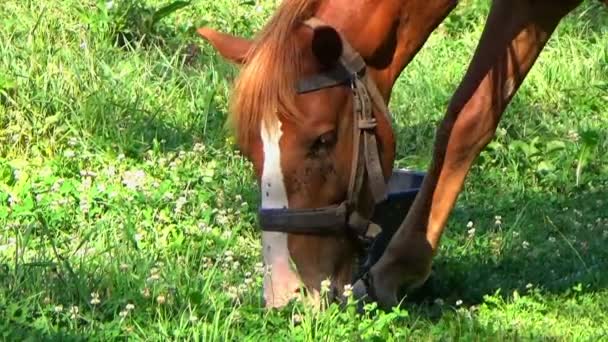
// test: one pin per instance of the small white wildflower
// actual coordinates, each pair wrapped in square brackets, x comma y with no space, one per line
[551,239]
[233,292]
[470,224]
[110,171]
[168,196]
[73,312]
[109,5]
[529,286]
[471,231]
[193,318]
[39,197]
[222,219]
[198,147]
[69,154]
[47,300]
[573,135]
[12,200]
[130,307]
[439,301]
[95,298]
[498,220]
[161,299]
[121,156]
[134,179]
[123,313]
[459,302]
[179,204]
[58,308]
[515,234]
[248,281]
[153,277]
[325,284]
[236,265]
[348,290]
[525,244]
[247,274]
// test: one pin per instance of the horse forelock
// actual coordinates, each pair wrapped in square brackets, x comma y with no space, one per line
[265,88]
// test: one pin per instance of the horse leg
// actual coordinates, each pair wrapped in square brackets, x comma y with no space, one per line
[515,33]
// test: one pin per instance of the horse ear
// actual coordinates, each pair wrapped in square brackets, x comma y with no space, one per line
[232,48]
[327,46]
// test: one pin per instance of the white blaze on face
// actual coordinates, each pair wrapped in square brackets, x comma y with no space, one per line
[280,281]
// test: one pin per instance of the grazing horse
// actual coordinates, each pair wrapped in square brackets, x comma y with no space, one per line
[309,112]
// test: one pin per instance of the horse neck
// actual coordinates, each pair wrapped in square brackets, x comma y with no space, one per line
[384,33]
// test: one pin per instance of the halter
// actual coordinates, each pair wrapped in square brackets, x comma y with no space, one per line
[348,217]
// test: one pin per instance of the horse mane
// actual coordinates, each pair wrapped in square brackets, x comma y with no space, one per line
[265,88]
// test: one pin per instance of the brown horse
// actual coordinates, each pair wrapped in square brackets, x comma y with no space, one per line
[300,82]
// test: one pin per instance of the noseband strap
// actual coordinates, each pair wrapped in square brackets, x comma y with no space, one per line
[366,169]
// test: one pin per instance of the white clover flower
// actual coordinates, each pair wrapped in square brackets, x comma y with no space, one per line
[325,284]
[134,179]
[130,307]
[529,286]
[198,147]
[470,224]
[525,244]
[459,302]
[471,231]
[95,298]
[179,204]
[58,308]
[498,220]
[73,312]
[123,313]
[348,290]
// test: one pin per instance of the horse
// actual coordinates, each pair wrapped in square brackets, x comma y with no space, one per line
[309,111]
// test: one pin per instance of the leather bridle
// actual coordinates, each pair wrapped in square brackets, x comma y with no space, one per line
[350,217]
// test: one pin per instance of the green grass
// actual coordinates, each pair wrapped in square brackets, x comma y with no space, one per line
[117,178]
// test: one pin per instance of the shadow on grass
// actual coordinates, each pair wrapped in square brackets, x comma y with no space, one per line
[564,248]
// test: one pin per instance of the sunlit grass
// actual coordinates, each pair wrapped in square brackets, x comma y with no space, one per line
[125,209]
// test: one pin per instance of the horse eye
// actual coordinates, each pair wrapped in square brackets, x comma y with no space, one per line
[324,141]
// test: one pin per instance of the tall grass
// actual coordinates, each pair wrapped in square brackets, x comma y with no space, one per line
[125,210]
